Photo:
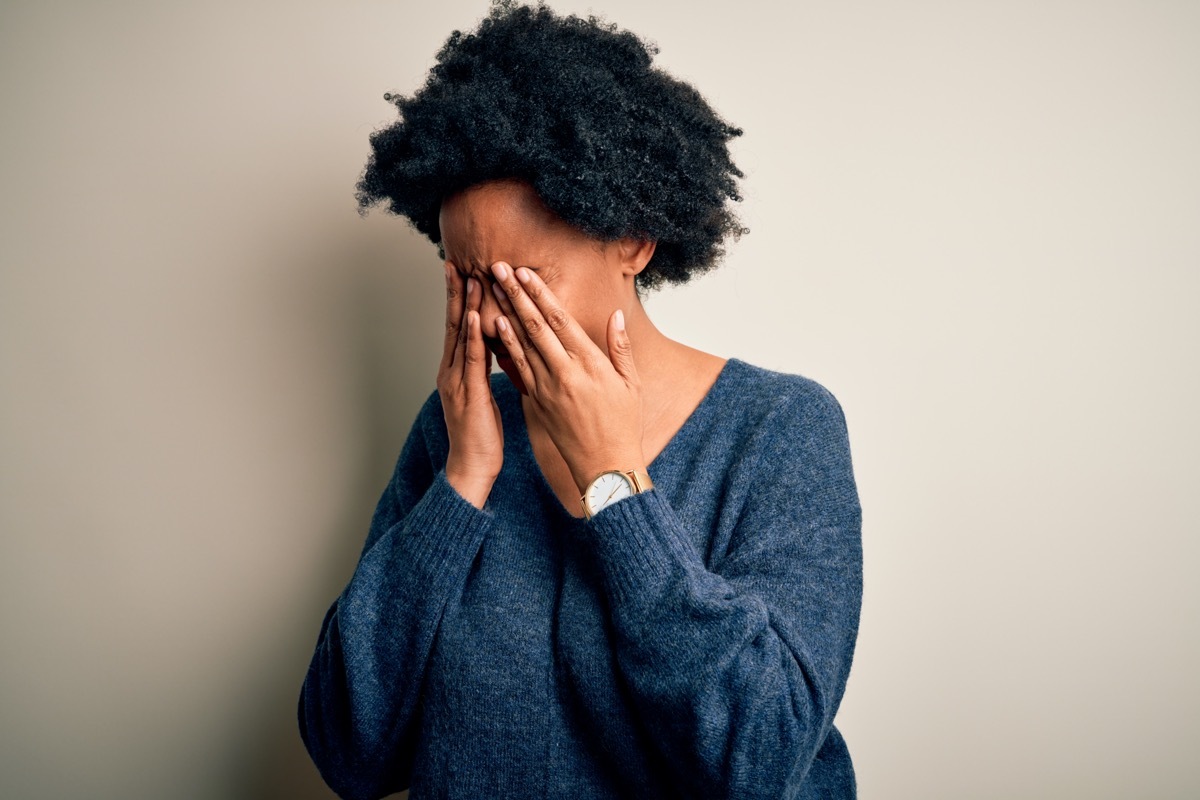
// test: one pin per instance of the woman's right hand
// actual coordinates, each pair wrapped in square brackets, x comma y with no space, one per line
[472,416]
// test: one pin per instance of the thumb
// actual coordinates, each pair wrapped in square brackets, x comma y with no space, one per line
[620,351]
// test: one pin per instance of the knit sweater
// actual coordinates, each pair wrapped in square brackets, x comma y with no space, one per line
[691,641]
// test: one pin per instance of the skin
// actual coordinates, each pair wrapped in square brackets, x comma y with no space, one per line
[602,387]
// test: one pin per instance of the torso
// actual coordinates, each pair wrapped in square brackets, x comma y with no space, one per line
[679,392]
[523,642]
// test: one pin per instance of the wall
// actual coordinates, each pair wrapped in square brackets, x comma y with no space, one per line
[976,223]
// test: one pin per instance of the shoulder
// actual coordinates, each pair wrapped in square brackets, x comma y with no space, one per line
[802,451]
[761,396]
[759,424]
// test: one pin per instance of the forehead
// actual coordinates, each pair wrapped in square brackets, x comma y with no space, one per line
[492,208]
[500,220]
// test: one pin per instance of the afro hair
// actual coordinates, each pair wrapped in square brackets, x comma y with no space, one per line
[612,145]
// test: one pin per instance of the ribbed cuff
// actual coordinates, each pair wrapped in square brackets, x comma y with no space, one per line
[642,547]
[440,537]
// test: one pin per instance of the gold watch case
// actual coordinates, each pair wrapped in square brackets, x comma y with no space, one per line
[614,485]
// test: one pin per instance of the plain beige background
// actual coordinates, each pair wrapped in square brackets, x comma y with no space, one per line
[977,223]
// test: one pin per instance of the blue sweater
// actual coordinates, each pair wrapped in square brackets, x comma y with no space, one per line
[692,641]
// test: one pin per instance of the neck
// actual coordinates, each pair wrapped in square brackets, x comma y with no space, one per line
[653,352]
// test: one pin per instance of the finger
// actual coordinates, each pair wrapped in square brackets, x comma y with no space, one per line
[568,331]
[520,339]
[474,295]
[470,303]
[517,353]
[475,366]
[454,313]
[473,304]
[620,349]
[549,326]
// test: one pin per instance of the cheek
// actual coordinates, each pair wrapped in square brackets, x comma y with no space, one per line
[577,280]
[589,304]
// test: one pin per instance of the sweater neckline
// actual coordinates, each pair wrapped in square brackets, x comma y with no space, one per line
[525,447]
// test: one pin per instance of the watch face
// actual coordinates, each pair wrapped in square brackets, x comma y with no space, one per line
[608,489]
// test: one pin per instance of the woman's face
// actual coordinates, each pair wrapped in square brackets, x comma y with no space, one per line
[506,221]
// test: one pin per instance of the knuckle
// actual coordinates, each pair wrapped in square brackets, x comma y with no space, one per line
[533,326]
[513,290]
[558,320]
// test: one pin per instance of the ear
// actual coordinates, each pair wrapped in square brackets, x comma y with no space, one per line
[634,255]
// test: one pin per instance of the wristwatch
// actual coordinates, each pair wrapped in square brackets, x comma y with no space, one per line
[609,487]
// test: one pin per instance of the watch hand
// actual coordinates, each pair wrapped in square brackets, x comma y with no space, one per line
[610,494]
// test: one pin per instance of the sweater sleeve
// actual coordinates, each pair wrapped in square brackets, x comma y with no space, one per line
[737,672]
[359,702]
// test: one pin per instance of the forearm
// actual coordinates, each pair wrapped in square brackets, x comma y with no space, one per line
[737,686]
[360,693]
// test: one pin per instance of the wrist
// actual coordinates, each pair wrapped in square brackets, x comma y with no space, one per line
[474,489]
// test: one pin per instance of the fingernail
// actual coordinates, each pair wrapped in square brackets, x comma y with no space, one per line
[502,324]
[496,290]
[470,286]
[523,275]
[620,320]
[449,269]
[500,270]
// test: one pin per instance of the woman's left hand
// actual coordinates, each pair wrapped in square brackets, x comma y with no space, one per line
[590,403]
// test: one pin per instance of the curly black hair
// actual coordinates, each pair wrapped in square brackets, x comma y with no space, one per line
[612,145]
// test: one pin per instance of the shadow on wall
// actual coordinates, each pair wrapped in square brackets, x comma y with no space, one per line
[393,292]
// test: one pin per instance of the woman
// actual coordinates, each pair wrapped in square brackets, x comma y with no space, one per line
[626,568]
